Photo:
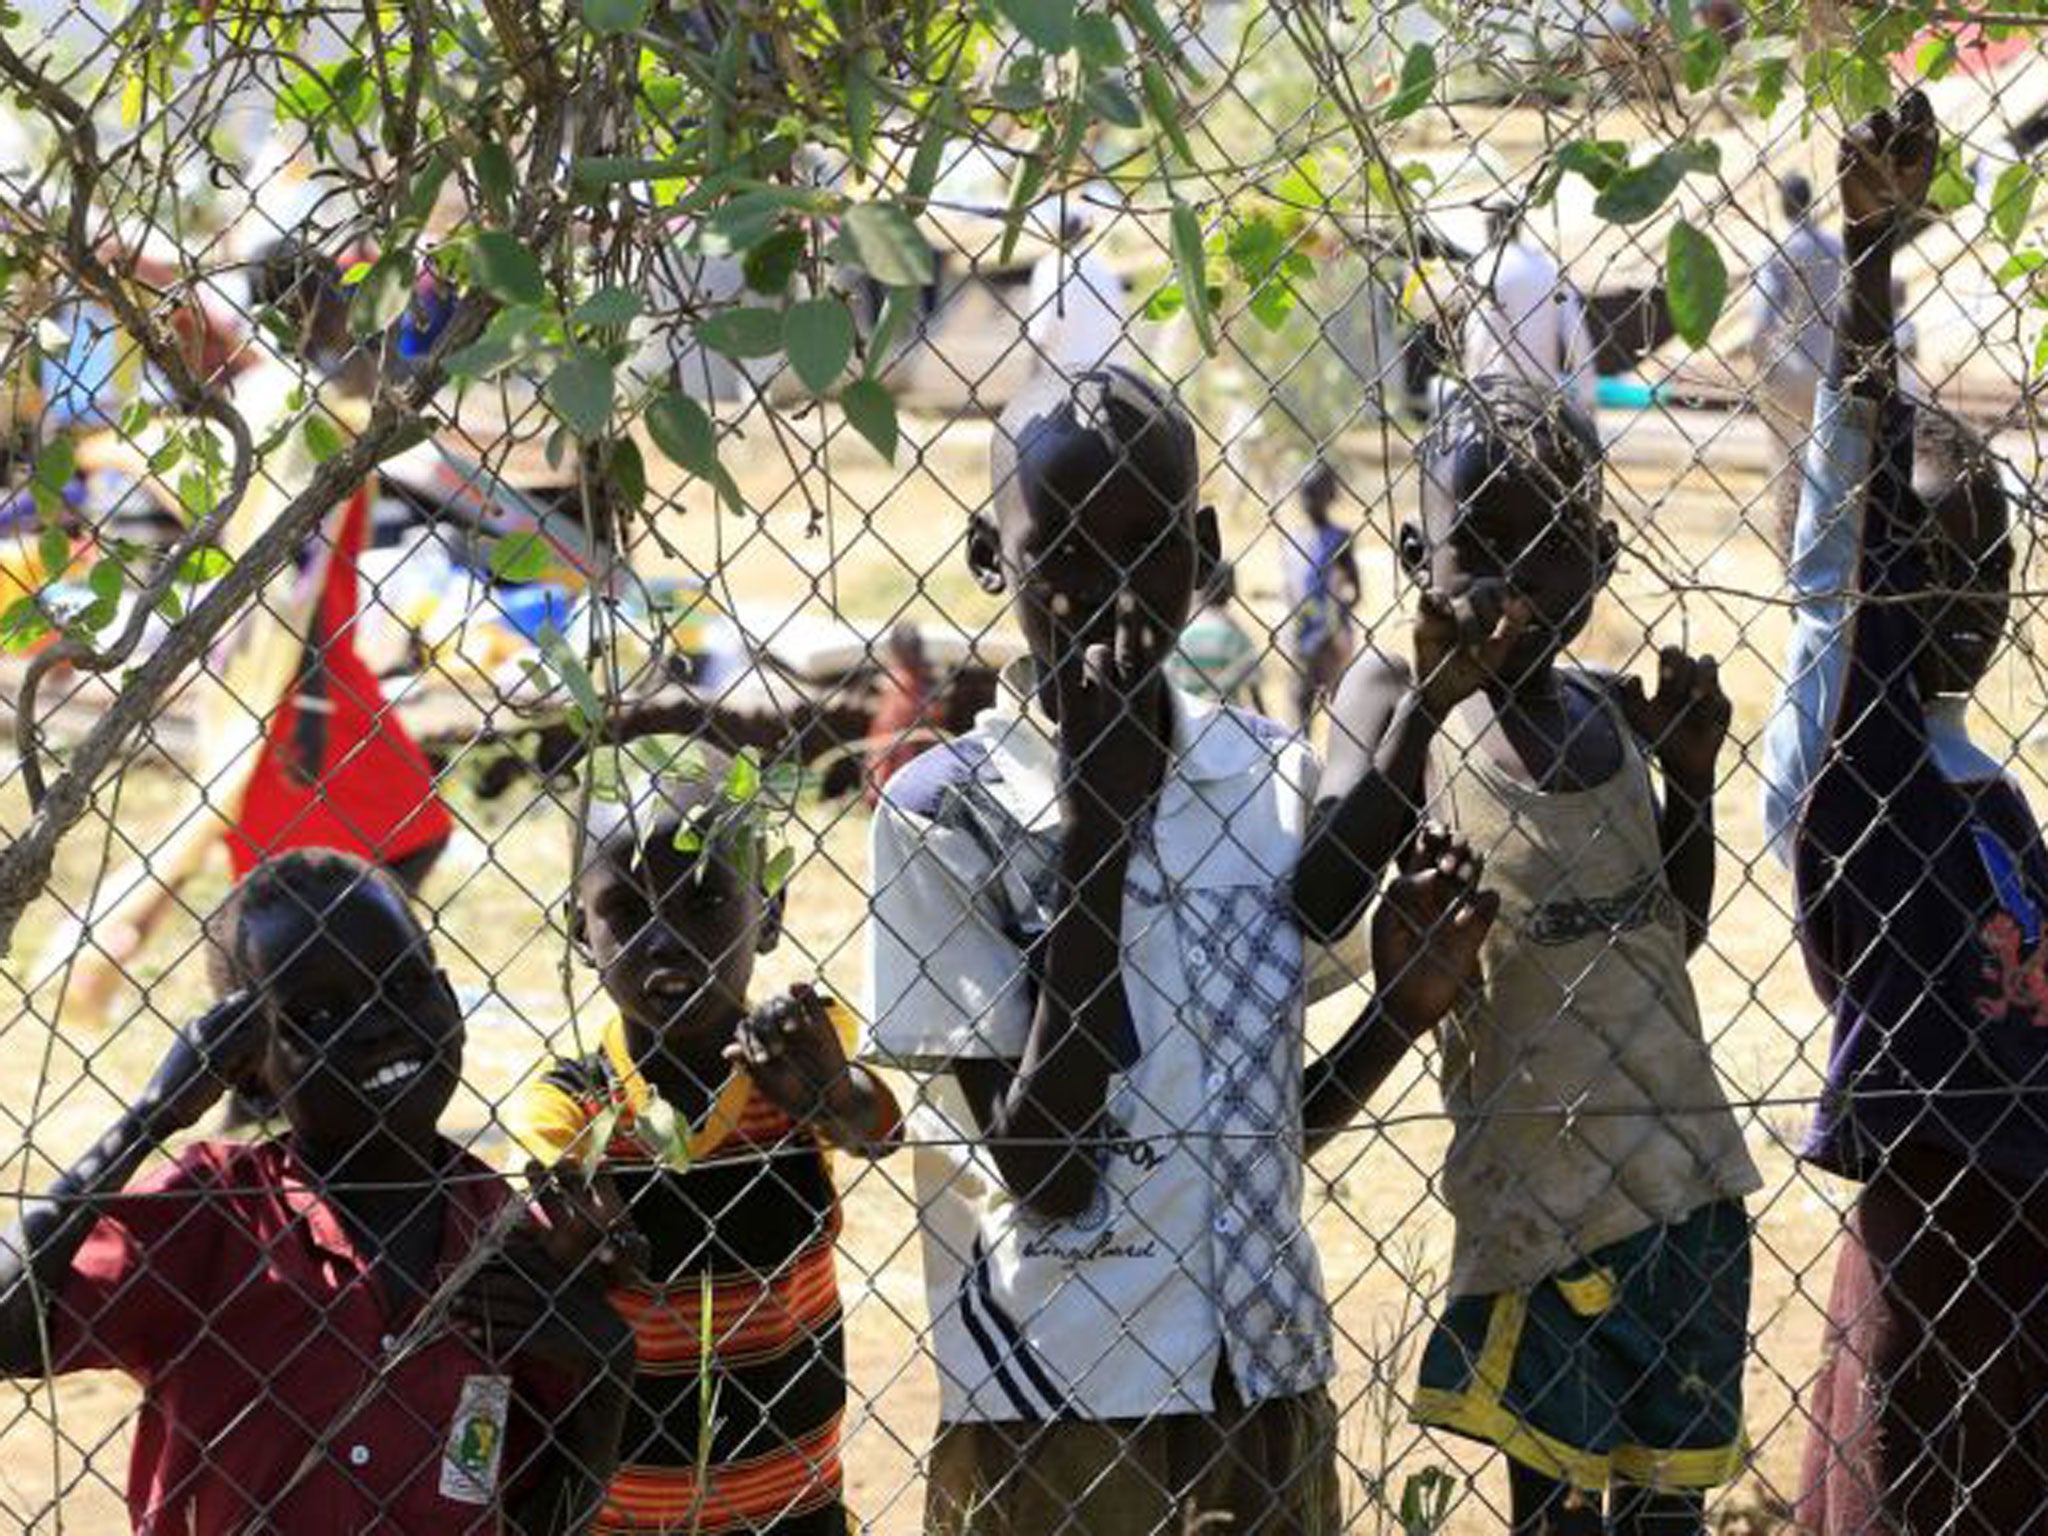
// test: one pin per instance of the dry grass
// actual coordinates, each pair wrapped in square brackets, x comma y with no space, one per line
[892,543]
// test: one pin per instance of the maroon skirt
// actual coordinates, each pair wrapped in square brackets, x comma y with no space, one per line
[1930,1412]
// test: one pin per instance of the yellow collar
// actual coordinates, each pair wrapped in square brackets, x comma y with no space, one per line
[728,1105]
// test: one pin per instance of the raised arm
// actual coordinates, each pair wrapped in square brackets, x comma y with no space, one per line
[1849,702]
[37,1253]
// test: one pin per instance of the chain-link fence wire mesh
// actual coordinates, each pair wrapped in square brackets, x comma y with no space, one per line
[408,402]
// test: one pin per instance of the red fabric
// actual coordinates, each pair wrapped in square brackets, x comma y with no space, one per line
[373,793]
[1930,1412]
[901,727]
[231,1291]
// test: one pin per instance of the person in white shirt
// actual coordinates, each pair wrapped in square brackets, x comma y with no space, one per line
[1530,324]
[1075,316]
[1084,947]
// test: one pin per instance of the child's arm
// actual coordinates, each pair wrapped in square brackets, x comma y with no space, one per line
[1041,1114]
[796,1055]
[1381,726]
[1685,724]
[1426,935]
[1849,727]
[37,1253]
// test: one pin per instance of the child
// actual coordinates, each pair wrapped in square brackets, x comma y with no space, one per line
[723,1114]
[1215,659]
[1082,944]
[1322,586]
[1600,1273]
[1921,884]
[255,1291]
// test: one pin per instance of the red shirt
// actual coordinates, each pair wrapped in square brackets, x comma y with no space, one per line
[371,792]
[232,1292]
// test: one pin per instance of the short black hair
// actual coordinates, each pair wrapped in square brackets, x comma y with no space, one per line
[1112,431]
[1499,425]
[1949,449]
[310,881]
[1321,480]
[294,279]
[1795,196]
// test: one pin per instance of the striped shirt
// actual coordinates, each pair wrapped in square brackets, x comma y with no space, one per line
[745,1232]
[1214,659]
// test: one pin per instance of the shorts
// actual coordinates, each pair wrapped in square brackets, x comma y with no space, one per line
[1270,1467]
[1624,1368]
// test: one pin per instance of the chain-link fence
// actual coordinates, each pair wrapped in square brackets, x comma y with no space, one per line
[611,465]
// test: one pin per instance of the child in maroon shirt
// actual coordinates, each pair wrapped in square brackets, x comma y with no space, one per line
[265,1296]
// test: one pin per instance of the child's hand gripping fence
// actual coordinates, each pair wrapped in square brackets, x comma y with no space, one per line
[407,405]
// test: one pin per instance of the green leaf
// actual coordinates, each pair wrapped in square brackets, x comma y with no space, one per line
[56,465]
[424,190]
[608,306]
[1023,193]
[1772,76]
[897,308]
[1418,79]
[507,269]
[890,246]
[743,778]
[628,471]
[1145,16]
[683,432]
[519,557]
[609,18]
[567,666]
[926,164]
[1165,106]
[1098,42]
[2012,199]
[1679,14]
[2022,264]
[1048,25]
[871,412]
[744,331]
[23,624]
[1952,189]
[1598,160]
[53,551]
[323,438]
[1701,57]
[1937,57]
[771,262]
[779,869]
[106,580]
[1190,262]
[580,390]
[818,336]
[383,292]
[1638,192]
[495,178]
[205,564]
[1695,283]
[860,114]
[1112,103]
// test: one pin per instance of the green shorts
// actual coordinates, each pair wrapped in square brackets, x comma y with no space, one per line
[1625,1368]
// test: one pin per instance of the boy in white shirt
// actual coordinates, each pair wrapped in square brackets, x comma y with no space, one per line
[1085,947]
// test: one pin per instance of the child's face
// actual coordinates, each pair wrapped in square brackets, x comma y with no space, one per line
[1555,557]
[1970,565]
[674,936]
[365,1034]
[1068,568]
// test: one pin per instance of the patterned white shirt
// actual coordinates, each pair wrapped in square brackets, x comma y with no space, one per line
[1194,1243]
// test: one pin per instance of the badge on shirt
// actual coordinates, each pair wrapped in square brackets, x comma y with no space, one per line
[476,1440]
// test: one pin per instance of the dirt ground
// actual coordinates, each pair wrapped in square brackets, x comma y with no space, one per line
[891,543]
